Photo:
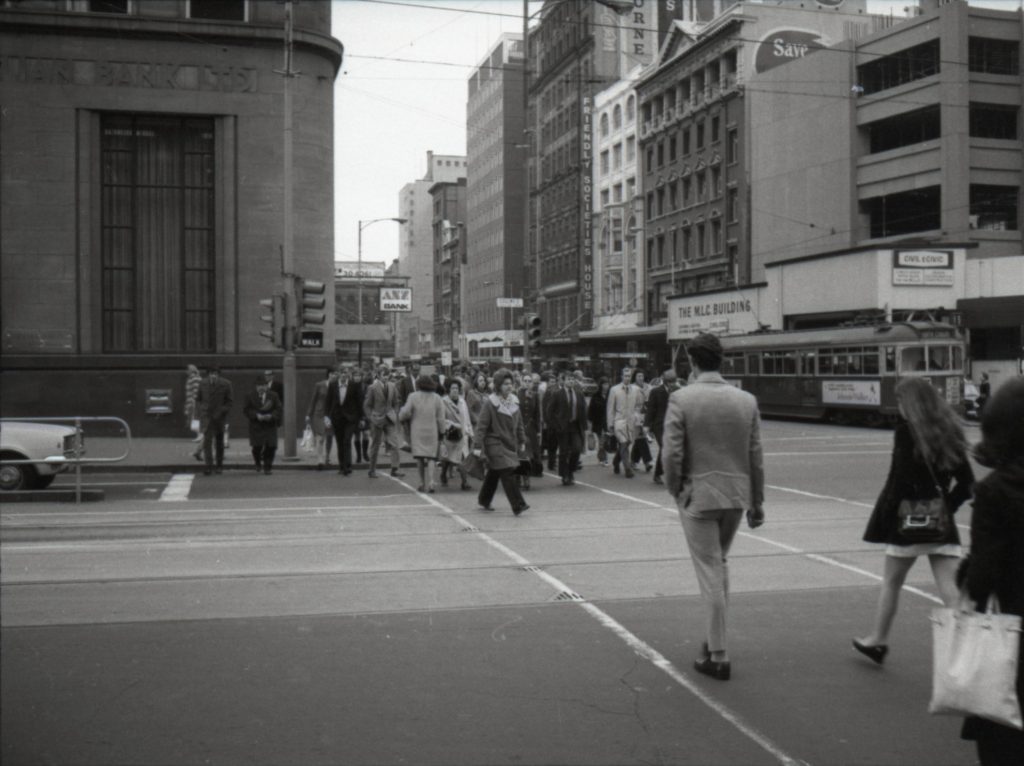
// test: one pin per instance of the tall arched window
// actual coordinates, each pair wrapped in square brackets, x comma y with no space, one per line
[604,124]
[630,109]
[617,117]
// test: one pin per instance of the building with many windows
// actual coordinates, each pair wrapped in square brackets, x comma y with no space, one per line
[416,250]
[496,196]
[577,49]
[695,134]
[142,197]
[449,258]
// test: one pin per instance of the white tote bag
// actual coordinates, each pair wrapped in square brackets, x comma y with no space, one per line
[974,668]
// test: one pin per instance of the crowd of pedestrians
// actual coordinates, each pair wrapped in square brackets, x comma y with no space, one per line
[709,458]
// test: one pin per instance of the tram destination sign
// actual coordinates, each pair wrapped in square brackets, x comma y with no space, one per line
[923,268]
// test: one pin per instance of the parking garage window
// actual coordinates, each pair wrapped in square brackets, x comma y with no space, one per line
[904,129]
[993,56]
[906,66]
[993,121]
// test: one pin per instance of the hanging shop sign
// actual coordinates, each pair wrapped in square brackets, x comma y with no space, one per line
[396,299]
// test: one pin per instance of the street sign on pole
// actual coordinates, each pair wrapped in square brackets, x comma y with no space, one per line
[510,303]
[446,358]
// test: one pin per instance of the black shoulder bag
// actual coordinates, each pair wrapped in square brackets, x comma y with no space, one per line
[925,521]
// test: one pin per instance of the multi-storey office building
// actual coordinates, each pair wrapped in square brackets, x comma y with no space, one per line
[694,138]
[142,198]
[416,250]
[577,49]
[916,137]
[449,202]
[495,199]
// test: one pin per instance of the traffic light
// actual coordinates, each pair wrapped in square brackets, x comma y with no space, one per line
[311,301]
[273,315]
[533,330]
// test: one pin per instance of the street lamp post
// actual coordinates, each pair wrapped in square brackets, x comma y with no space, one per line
[359,255]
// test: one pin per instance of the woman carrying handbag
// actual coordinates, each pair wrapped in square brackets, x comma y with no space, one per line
[996,562]
[501,438]
[929,451]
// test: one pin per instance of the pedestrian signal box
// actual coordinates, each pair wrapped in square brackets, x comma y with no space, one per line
[532,330]
[311,302]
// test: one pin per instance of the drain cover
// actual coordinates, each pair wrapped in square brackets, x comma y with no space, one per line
[568,595]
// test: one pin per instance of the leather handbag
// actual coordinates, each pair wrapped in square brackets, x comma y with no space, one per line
[475,466]
[925,521]
[975,663]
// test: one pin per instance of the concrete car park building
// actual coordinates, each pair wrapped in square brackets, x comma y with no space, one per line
[141,196]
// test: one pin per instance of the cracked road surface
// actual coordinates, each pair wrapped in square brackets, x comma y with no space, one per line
[310,618]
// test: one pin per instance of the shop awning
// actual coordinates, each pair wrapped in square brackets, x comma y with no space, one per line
[1005,311]
[651,331]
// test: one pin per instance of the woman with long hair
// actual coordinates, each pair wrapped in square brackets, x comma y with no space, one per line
[930,451]
[424,412]
[996,563]
[476,392]
[500,437]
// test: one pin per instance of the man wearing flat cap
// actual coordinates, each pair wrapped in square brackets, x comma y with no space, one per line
[714,470]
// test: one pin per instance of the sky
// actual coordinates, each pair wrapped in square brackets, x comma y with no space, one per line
[390,107]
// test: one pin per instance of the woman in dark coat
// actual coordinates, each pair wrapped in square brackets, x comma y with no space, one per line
[996,563]
[263,410]
[500,437]
[598,416]
[927,437]
[529,403]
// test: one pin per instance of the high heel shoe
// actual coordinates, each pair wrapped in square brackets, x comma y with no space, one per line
[874,653]
[720,670]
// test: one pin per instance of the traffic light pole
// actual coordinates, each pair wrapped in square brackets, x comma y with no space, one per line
[290,379]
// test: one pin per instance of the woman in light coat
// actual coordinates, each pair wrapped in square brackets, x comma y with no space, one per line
[454,451]
[424,412]
[501,438]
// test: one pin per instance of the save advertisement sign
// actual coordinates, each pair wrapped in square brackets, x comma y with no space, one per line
[396,299]
[864,393]
[925,268]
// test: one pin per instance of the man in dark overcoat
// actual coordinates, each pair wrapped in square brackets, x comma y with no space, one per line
[214,403]
[344,409]
[654,417]
[263,410]
[568,418]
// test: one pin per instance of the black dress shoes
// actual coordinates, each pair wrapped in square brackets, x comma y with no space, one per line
[520,509]
[719,670]
[874,653]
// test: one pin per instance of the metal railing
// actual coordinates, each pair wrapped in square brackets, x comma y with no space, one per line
[77,458]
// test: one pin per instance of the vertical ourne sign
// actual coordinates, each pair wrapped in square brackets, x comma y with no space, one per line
[586,204]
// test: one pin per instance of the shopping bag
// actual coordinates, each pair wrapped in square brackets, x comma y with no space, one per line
[194,425]
[975,658]
[307,440]
[475,466]
[591,441]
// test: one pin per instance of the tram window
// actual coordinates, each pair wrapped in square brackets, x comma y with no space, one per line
[807,362]
[753,364]
[871,362]
[938,357]
[912,359]
[890,359]
[733,364]
[824,362]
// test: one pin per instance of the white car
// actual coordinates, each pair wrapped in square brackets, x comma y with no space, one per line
[31,441]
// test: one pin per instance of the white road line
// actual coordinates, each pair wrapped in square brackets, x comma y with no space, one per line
[257,513]
[816,453]
[178,488]
[639,647]
[812,556]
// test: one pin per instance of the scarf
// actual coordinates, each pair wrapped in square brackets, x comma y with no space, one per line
[508,406]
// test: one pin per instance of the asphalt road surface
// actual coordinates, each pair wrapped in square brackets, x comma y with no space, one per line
[309,618]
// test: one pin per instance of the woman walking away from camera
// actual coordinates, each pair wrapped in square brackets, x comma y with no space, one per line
[929,452]
[501,438]
[424,411]
[996,563]
[458,430]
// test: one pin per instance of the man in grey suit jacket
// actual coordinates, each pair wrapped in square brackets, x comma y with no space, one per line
[714,469]
[381,410]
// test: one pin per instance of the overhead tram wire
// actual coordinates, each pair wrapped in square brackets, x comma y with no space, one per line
[598,25]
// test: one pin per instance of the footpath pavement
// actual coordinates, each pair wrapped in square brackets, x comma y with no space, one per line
[161,453]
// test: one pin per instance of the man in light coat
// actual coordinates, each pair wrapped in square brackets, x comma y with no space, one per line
[624,400]
[381,410]
[714,469]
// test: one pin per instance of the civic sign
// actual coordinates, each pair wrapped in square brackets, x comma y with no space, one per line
[356,270]
[396,299]
[728,313]
[923,268]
